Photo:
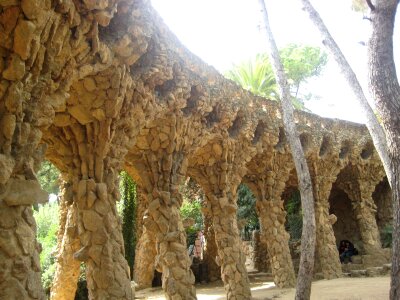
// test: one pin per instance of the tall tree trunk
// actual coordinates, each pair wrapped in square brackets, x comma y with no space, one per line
[374,128]
[303,287]
[385,88]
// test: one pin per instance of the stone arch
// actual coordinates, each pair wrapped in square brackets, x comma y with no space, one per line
[237,124]
[345,149]
[326,146]
[345,227]
[367,150]
[258,132]
[383,200]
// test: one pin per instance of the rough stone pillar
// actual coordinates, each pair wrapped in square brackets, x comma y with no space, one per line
[162,222]
[146,251]
[219,179]
[92,145]
[269,175]
[324,173]
[30,75]
[326,249]
[67,268]
[272,220]
[230,253]
[365,211]
[210,250]
[261,257]
[19,250]
[102,245]
[360,191]
[160,158]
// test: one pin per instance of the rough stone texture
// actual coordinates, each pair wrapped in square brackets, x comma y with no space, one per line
[219,177]
[210,249]
[268,186]
[383,200]
[146,251]
[68,268]
[324,172]
[360,193]
[91,148]
[346,227]
[260,255]
[94,80]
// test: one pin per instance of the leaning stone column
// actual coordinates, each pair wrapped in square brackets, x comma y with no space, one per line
[99,230]
[92,142]
[272,220]
[160,158]
[32,86]
[360,191]
[67,268]
[268,177]
[261,258]
[162,222]
[219,179]
[211,250]
[146,251]
[324,173]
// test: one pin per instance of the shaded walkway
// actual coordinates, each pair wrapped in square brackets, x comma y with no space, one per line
[341,288]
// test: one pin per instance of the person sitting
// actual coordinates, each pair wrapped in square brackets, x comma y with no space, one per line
[346,249]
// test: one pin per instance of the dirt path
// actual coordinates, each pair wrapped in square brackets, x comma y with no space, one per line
[375,288]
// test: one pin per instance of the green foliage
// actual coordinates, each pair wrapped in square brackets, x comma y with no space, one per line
[247,207]
[256,76]
[300,63]
[386,236]
[47,226]
[294,218]
[82,292]
[48,177]
[192,210]
[128,192]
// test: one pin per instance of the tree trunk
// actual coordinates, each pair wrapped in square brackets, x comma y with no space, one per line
[374,128]
[303,287]
[385,88]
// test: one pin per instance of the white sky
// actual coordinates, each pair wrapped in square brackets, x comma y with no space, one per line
[223,32]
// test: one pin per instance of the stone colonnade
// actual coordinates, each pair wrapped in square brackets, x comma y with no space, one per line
[63,86]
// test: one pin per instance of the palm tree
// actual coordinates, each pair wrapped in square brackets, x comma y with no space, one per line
[300,63]
[256,76]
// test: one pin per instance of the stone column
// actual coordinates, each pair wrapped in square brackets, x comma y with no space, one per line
[30,75]
[326,248]
[160,158]
[146,251]
[360,192]
[230,255]
[261,257]
[92,142]
[162,222]
[67,268]
[219,179]
[210,250]
[267,181]
[19,250]
[99,230]
[324,173]
[272,220]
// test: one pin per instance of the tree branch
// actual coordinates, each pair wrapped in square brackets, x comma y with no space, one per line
[370,5]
